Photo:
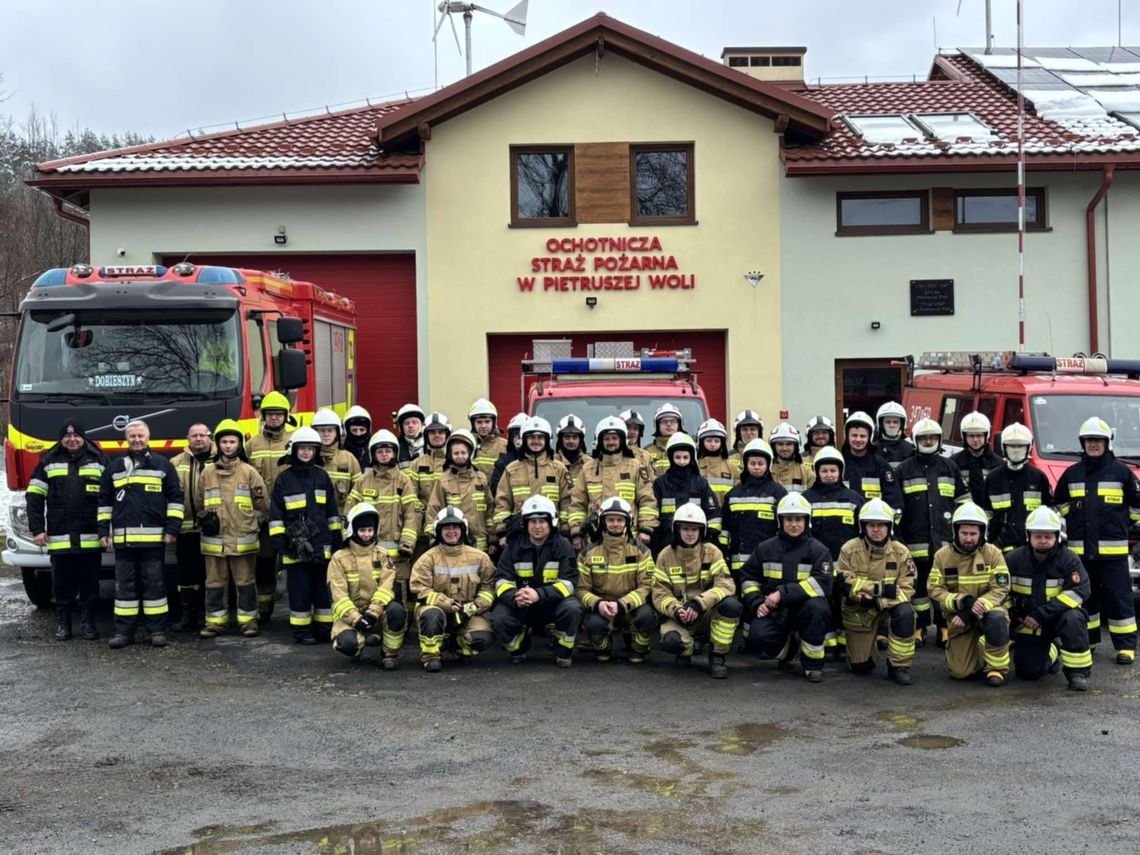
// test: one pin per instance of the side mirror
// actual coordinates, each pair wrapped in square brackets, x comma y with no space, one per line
[291,373]
[290,330]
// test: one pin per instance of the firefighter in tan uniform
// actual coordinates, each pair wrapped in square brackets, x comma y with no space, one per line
[969,581]
[788,467]
[484,419]
[666,422]
[461,485]
[453,583]
[342,466]
[570,444]
[265,451]
[613,471]
[234,502]
[635,430]
[361,582]
[424,470]
[878,582]
[693,590]
[388,488]
[535,473]
[712,459]
[190,464]
[614,579]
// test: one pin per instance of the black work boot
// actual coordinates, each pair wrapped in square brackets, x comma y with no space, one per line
[1078,682]
[193,611]
[901,676]
[718,670]
[87,622]
[63,633]
[120,640]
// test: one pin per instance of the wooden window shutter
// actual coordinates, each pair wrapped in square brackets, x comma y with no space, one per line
[943,208]
[602,182]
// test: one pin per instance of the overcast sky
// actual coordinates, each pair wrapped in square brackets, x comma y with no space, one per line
[162,66]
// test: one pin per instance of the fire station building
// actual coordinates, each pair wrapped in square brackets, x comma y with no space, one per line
[607,185]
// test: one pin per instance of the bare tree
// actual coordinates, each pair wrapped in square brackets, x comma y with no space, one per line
[33,237]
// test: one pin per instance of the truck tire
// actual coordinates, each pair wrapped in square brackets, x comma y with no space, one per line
[37,583]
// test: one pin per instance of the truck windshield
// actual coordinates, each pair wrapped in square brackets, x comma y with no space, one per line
[593,410]
[1057,420]
[112,353]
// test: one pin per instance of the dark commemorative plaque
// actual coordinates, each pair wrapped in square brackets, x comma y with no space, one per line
[931,297]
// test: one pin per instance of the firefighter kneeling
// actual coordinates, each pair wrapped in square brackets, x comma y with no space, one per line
[970,582]
[453,586]
[535,584]
[614,578]
[878,579]
[1050,588]
[693,590]
[361,577]
[786,582]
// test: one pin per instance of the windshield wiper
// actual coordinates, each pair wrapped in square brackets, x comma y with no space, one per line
[64,397]
[165,397]
[1064,454]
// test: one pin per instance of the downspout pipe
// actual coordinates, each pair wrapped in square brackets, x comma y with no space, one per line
[1090,236]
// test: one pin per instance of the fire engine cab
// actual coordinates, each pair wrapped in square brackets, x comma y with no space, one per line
[614,376]
[172,346]
[1050,395]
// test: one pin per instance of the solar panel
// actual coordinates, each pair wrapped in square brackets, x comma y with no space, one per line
[887,128]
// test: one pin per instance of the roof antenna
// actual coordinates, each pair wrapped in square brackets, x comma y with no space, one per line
[989,25]
[515,18]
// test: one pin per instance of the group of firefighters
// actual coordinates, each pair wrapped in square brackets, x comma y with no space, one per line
[471,537]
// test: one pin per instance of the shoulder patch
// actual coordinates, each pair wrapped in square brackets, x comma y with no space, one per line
[1076,577]
[889,475]
[1001,578]
[825,568]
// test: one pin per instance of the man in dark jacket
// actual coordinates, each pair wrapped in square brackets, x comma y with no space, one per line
[535,583]
[140,512]
[866,471]
[977,460]
[63,504]
[1100,498]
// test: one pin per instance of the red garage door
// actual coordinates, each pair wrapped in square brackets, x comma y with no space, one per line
[506,352]
[384,290]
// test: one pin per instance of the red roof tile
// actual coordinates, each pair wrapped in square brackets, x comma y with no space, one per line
[331,142]
[957,84]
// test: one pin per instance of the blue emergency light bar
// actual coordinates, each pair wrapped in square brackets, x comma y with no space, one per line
[649,364]
[1073,364]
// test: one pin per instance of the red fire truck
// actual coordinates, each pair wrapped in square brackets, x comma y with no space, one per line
[1051,395]
[172,346]
[614,376]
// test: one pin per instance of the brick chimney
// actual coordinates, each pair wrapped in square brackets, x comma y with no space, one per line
[767,63]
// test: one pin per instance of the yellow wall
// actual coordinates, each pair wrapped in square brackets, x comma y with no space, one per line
[474,257]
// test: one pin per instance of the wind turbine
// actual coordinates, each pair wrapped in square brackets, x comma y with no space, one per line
[515,18]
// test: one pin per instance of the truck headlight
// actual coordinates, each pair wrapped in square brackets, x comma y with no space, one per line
[18,518]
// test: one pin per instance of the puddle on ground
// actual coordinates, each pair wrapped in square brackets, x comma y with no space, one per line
[232,830]
[683,786]
[492,826]
[669,750]
[781,791]
[930,741]
[901,720]
[744,739]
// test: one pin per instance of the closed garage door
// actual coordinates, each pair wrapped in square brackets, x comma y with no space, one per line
[506,352]
[384,290]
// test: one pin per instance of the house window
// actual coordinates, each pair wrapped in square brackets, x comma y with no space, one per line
[542,186]
[787,60]
[760,61]
[996,210]
[883,213]
[737,61]
[662,186]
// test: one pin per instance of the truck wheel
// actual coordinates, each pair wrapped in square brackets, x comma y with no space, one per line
[38,585]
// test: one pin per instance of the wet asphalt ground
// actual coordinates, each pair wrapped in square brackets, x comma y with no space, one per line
[262,746]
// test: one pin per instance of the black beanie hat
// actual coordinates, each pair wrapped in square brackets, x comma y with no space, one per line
[72,427]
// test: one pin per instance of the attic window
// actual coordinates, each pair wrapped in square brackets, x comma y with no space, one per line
[951,126]
[890,128]
[737,61]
